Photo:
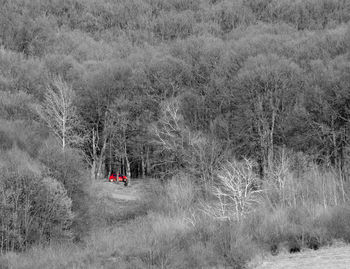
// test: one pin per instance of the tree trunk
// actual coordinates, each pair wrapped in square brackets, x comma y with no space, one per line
[264,146]
[122,167]
[143,164]
[270,151]
[127,163]
[94,156]
[148,164]
[110,159]
[101,158]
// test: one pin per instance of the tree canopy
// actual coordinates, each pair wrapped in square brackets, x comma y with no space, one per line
[151,88]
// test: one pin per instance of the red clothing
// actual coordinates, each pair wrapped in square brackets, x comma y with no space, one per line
[113,177]
[122,178]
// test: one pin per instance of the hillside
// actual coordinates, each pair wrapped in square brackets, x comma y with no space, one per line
[239,110]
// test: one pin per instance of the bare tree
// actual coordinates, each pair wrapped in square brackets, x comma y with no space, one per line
[181,148]
[172,138]
[170,131]
[237,191]
[270,88]
[58,111]
[118,129]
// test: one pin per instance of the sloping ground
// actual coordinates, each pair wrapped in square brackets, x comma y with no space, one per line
[335,257]
[119,192]
[135,191]
[116,204]
[116,215]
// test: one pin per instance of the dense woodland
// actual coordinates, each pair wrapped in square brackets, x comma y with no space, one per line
[162,89]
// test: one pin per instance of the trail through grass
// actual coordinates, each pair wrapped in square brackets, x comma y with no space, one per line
[114,211]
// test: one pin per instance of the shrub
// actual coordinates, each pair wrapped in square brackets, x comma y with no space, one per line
[6,141]
[15,106]
[337,222]
[65,166]
[181,193]
[285,228]
[174,196]
[235,247]
[33,209]
[25,135]
[55,207]
[68,168]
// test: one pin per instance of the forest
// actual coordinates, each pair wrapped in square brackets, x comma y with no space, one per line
[237,111]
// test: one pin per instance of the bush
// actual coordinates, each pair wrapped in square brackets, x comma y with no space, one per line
[52,200]
[292,213]
[33,209]
[174,196]
[14,106]
[6,141]
[25,135]
[68,168]
[65,166]
[233,245]
[337,222]
[274,230]
[291,229]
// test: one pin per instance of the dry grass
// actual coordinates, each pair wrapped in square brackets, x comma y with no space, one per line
[304,211]
[173,197]
[168,229]
[50,256]
[180,239]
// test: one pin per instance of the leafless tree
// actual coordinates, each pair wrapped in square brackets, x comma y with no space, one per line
[58,111]
[237,191]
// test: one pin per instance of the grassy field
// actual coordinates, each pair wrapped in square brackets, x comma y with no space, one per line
[154,225]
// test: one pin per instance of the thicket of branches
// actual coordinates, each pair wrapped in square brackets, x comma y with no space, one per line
[152,88]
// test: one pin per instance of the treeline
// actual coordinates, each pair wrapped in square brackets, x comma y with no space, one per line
[151,88]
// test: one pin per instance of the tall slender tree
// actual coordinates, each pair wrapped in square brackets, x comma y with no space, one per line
[59,113]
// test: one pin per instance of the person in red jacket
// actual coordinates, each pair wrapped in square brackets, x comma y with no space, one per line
[113,177]
[122,178]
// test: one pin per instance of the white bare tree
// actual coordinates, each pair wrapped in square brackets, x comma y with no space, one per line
[170,132]
[59,112]
[237,191]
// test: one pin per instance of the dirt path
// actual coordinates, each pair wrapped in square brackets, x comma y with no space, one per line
[335,257]
[118,191]
[114,203]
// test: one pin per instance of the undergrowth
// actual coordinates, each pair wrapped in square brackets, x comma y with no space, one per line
[170,229]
